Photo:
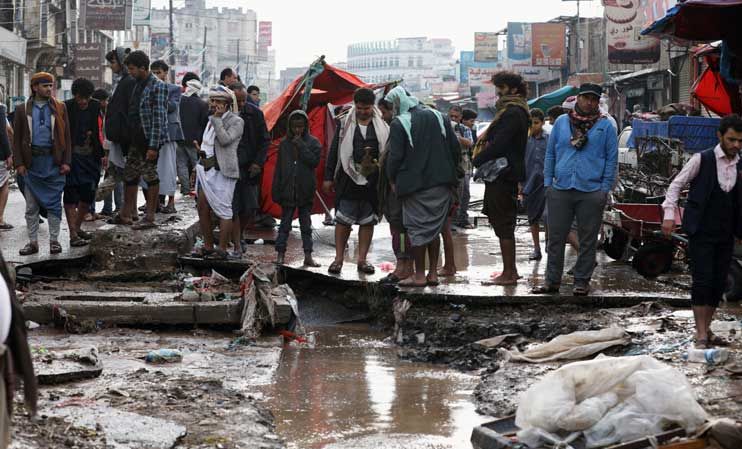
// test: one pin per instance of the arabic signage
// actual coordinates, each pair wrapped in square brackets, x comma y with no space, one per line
[466,61]
[485,47]
[625,20]
[89,62]
[106,14]
[548,49]
[142,12]
[519,43]
[481,76]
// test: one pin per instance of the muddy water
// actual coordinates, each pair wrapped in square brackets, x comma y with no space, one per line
[351,391]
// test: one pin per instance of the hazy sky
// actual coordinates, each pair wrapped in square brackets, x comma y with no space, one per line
[303,30]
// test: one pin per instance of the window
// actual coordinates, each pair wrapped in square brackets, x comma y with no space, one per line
[411,62]
[188,26]
[419,61]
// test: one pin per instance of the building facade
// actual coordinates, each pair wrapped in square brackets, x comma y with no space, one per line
[418,61]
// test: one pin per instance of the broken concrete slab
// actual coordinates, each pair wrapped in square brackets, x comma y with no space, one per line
[124,429]
[133,313]
[67,366]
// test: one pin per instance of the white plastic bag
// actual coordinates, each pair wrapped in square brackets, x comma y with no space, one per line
[611,398]
[574,346]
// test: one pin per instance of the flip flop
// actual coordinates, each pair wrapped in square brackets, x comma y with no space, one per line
[78,242]
[715,340]
[545,289]
[29,249]
[445,274]
[55,248]
[390,278]
[366,268]
[430,283]
[5,227]
[217,254]
[118,220]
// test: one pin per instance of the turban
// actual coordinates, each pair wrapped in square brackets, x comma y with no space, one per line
[224,94]
[42,77]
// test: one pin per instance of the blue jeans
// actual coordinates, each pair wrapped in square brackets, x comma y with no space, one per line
[305,224]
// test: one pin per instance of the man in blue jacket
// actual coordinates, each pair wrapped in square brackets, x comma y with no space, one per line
[167,160]
[579,172]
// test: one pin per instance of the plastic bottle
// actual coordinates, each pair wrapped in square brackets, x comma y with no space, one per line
[708,356]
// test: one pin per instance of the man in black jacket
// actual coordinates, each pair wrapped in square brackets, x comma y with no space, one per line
[117,120]
[251,153]
[506,137]
[194,115]
[87,155]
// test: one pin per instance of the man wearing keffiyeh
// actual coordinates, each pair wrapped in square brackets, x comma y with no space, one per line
[579,172]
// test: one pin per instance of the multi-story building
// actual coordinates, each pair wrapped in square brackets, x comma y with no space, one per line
[229,35]
[419,61]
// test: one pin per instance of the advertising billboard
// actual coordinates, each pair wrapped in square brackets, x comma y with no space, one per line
[519,43]
[625,20]
[485,47]
[548,44]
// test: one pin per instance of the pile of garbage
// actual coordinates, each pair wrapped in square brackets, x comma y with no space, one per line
[607,400]
[209,288]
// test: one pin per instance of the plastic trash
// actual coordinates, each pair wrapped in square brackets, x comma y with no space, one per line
[711,356]
[161,356]
[600,396]
[258,242]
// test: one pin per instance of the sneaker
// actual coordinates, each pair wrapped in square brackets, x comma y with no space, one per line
[535,255]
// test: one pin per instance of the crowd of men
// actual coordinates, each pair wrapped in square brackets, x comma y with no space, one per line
[147,134]
[390,157]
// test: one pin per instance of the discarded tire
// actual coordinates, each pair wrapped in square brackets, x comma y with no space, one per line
[653,259]
[615,247]
[734,282]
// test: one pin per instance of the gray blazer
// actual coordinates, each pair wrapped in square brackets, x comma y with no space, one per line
[227,132]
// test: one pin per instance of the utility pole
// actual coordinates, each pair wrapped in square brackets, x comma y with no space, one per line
[203,55]
[172,46]
[238,58]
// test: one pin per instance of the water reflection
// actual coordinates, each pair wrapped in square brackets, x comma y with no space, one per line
[351,386]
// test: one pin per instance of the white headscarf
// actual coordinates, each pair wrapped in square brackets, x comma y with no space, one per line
[347,133]
[193,87]
[223,93]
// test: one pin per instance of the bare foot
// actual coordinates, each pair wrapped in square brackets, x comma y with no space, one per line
[432,279]
[414,281]
[506,279]
[447,271]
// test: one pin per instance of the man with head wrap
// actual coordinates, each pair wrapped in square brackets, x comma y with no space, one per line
[218,170]
[194,115]
[42,153]
[117,123]
[423,155]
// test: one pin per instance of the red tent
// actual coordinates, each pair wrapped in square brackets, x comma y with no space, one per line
[330,86]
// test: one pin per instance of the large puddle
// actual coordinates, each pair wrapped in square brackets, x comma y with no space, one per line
[351,391]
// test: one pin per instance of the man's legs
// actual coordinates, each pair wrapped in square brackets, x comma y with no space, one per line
[149,174]
[365,235]
[449,263]
[236,234]
[204,220]
[400,245]
[561,213]
[703,257]
[4,191]
[185,158]
[342,234]
[536,235]
[305,224]
[32,217]
[504,210]
[462,213]
[589,212]
[434,249]
[225,233]
[287,216]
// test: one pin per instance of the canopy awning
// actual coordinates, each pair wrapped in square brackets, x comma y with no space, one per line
[555,98]
[699,20]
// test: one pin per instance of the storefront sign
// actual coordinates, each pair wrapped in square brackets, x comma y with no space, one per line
[89,62]
[106,14]
[485,47]
[142,12]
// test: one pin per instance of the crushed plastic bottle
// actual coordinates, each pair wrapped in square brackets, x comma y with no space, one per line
[708,356]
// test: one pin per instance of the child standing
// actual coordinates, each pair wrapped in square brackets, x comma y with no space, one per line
[533,190]
[295,182]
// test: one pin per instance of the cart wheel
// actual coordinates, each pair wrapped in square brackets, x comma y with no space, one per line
[615,247]
[653,259]
[734,282]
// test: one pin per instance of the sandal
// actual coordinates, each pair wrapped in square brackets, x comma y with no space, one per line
[430,283]
[546,289]
[366,268]
[30,248]
[5,227]
[715,340]
[701,344]
[169,209]
[119,220]
[216,254]
[55,247]
[390,278]
[580,290]
[85,235]
[335,268]
[410,283]
[144,224]
[78,242]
